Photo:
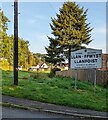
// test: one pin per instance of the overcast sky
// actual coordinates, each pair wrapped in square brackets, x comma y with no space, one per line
[34,19]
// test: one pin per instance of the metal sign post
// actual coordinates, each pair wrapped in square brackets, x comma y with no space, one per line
[94,81]
[86,59]
[76,77]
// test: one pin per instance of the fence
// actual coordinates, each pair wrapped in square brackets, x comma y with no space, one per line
[86,75]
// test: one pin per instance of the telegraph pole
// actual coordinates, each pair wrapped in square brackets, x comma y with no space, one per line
[15,42]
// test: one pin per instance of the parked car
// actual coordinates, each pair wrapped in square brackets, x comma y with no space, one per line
[20,68]
[32,69]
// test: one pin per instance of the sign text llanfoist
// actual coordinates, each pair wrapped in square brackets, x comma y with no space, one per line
[86,58]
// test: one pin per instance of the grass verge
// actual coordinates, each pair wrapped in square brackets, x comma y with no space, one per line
[13,106]
[56,90]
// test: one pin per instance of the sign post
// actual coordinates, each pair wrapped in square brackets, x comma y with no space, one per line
[76,77]
[86,59]
[95,82]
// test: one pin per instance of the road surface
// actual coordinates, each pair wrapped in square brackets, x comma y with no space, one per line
[20,113]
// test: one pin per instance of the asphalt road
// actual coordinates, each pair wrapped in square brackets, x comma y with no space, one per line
[20,113]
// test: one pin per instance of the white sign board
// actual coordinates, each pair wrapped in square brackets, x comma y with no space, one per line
[86,58]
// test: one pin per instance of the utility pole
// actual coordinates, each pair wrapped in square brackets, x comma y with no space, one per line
[15,42]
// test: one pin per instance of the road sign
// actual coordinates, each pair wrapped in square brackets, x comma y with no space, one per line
[86,59]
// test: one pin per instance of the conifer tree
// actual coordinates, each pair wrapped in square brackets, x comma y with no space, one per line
[53,52]
[70,30]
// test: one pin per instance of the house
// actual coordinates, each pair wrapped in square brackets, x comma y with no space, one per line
[66,66]
[63,65]
[40,66]
[104,62]
[44,66]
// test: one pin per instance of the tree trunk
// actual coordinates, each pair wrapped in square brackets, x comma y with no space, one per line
[69,57]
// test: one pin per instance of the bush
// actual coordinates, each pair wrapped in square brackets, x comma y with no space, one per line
[34,75]
[53,72]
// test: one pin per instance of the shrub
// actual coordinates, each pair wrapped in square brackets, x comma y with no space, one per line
[53,72]
[34,75]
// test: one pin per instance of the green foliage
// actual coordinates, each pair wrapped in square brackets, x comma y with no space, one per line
[34,75]
[3,22]
[70,30]
[25,57]
[41,56]
[23,52]
[7,50]
[5,63]
[3,36]
[53,53]
[53,72]
[36,59]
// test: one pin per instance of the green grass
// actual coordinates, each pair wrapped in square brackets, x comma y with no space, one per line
[57,90]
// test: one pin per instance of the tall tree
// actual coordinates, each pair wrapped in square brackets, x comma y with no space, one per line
[23,52]
[36,59]
[70,29]
[3,22]
[4,43]
[53,53]
[30,59]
